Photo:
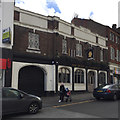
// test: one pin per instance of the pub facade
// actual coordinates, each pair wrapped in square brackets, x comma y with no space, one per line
[47,51]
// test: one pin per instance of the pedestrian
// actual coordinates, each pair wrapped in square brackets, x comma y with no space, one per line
[62,92]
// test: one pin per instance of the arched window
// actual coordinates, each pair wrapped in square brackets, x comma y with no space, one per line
[64,75]
[79,76]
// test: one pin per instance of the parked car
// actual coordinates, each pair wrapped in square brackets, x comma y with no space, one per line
[15,101]
[107,92]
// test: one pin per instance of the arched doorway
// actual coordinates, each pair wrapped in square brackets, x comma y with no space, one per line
[31,80]
[91,81]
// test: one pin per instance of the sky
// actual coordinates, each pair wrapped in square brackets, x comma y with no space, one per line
[101,11]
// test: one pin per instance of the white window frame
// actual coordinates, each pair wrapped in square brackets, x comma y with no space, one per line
[80,76]
[64,75]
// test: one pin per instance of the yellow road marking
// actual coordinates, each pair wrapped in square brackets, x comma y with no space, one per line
[73,103]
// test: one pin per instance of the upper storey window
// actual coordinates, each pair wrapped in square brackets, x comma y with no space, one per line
[64,46]
[101,55]
[112,36]
[33,41]
[112,53]
[79,50]
[117,39]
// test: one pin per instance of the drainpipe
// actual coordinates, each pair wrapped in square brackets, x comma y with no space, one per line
[86,80]
[73,79]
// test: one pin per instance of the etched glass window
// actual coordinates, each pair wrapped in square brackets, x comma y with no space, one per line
[79,76]
[64,75]
[33,41]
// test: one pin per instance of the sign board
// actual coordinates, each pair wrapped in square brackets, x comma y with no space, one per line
[5,63]
[90,54]
[6,36]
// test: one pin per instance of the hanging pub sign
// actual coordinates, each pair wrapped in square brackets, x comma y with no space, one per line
[90,54]
[6,36]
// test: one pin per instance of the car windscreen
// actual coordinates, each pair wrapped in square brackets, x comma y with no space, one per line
[106,87]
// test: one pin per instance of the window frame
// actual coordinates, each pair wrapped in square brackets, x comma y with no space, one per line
[79,76]
[112,36]
[33,41]
[64,75]
[101,55]
[112,53]
[64,46]
[79,50]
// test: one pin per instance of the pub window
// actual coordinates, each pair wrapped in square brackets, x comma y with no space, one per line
[79,50]
[101,55]
[33,41]
[64,46]
[79,76]
[64,75]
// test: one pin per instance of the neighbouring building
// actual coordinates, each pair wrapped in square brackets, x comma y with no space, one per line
[6,41]
[113,43]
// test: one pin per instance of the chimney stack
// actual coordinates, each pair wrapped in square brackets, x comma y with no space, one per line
[114,26]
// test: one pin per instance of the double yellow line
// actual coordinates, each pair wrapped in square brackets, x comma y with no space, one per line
[87,101]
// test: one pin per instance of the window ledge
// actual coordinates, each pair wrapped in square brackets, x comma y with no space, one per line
[33,51]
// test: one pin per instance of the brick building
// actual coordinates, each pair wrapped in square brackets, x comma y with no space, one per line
[113,36]
[47,51]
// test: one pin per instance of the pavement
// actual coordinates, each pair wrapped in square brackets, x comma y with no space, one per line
[50,101]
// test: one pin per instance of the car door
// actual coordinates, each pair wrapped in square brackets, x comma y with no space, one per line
[12,102]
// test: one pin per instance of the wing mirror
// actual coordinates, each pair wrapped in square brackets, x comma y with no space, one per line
[21,96]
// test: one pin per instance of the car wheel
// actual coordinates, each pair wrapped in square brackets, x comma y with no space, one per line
[33,108]
[115,97]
